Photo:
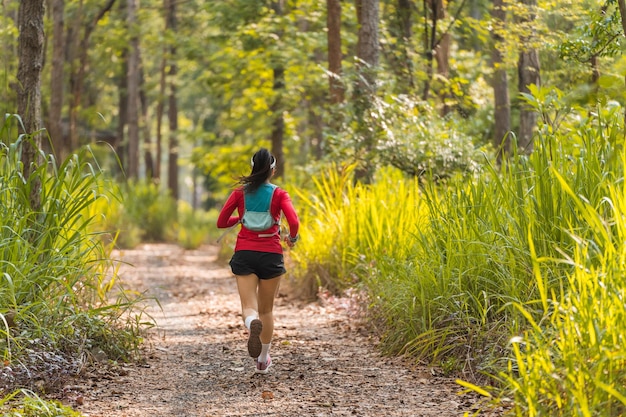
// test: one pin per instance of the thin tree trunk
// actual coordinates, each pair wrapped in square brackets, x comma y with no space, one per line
[429,45]
[159,118]
[502,115]
[368,54]
[145,125]
[405,21]
[78,74]
[278,124]
[334,50]
[133,94]
[56,80]
[172,177]
[30,54]
[528,74]
[121,144]
[441,50]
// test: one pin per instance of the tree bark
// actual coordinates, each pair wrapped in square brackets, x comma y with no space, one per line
[30,54]
[159,117]
[429,45]
[57,80]
[278,123]
[405,22]
[145,124]
[334,50]
[441,49]
[133,93]
[172,171]
[529,74]
[502,111]
[368,52]
[528,70]
[121,144]
[79,66]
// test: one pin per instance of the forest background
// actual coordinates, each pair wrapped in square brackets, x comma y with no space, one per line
[458,163]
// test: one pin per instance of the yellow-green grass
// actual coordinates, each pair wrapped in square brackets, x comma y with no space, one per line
[531,252]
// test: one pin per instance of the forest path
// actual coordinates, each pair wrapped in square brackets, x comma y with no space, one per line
[197,363]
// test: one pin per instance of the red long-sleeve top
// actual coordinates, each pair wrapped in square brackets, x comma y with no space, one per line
[250,240]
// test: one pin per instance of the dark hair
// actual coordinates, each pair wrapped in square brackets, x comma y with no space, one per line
[262,164]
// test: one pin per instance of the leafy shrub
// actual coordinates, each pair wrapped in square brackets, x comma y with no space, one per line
[150,209]
[412,137]
[194,226]
[31,405]
[55,276]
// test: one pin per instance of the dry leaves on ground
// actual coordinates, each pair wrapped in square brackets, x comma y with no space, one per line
[196,362]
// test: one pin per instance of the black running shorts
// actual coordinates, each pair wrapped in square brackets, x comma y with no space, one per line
[265,265]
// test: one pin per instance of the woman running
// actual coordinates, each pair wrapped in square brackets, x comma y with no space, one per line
[257,262]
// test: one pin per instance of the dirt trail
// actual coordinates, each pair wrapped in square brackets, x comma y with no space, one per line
[197,363]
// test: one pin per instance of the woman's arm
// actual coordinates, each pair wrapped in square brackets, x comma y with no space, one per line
[290,215]
[225,218]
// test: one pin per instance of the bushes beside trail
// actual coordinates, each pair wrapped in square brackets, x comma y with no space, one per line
[514,278]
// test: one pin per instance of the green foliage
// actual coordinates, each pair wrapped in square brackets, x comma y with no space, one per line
[533,250]
[56,302]
[420,143]
[346,224]
[194,226]
[572,361]
[143,212]
[224,166]
[150,209]
[31,405]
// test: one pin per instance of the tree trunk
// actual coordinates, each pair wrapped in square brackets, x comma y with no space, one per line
[502,111]
[429,45]
[405,22]
[145,124]
[133,93]
[159,117]
[79,66]
[528,74]
[172,172]
[441,49]
[278,124]
[121,144]
[30,55]
[334,50]
[56,80]
[365,88]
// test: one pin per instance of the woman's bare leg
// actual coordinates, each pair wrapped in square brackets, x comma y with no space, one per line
[268,289]
[247,287]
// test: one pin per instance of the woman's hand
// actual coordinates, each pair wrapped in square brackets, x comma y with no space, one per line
[291,241]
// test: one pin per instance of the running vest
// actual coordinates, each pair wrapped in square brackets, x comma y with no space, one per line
[256,215]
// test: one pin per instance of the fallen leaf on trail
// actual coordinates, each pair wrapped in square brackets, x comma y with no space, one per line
[267,395]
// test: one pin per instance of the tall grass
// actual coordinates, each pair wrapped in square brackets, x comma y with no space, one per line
[347,223]
[531,252]
[56,300]
[575,363]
